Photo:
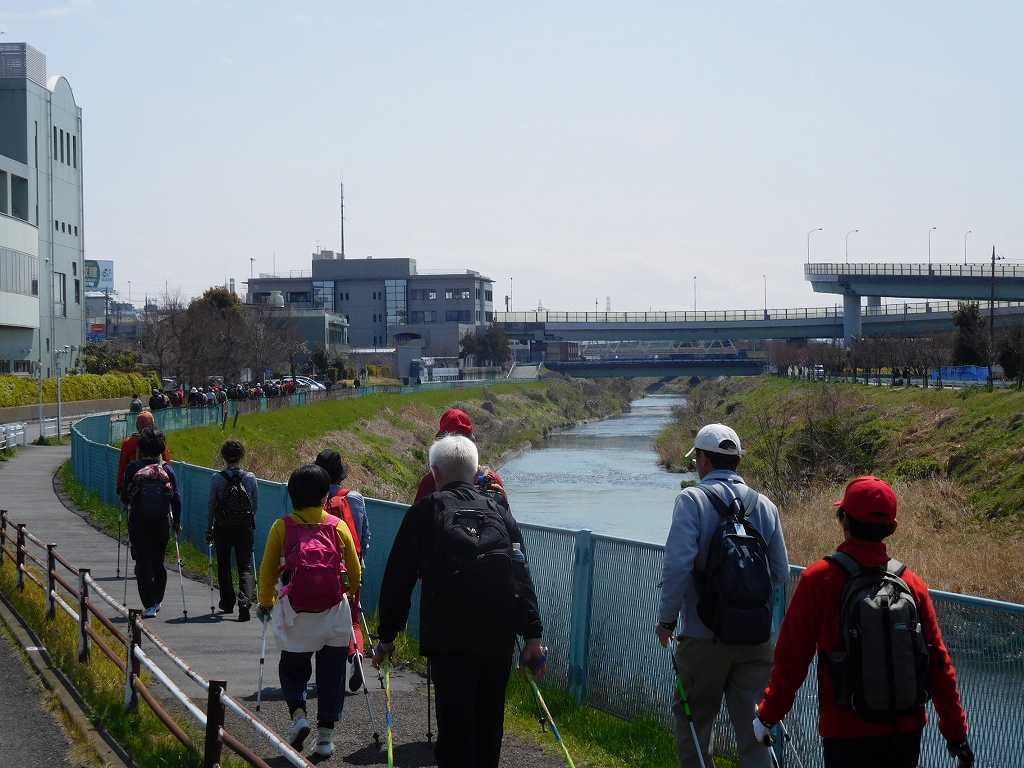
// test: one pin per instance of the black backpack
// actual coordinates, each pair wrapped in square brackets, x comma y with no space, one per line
[474,549]
[735,586]
[149,495]
[881,669]
[234,507]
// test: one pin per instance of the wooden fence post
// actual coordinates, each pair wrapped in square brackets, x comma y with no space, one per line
[132,666]
[214,723]
[20,559]
[51,582]
[84,644]
[3,534]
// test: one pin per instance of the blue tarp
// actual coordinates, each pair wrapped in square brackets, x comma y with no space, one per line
[961,373]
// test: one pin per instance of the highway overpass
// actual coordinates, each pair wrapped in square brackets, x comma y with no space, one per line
[904,319]
[703,367]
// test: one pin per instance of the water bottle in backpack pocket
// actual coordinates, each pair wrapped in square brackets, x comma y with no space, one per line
[881,668]
[314,569]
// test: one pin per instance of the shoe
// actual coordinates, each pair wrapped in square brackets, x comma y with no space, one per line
[324,742]
[298,731]
[243,614]
[150,613]
[158,606]
[355,680]
[229,609]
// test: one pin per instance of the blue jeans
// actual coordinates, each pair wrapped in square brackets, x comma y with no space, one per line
[295,669]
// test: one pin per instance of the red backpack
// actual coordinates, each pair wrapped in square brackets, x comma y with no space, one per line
[314,563]
[338,506]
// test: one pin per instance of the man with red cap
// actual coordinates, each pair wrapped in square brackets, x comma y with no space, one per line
[819,621]
[130,447]
[456,421]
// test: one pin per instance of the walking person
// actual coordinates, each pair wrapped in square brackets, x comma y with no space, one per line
[233,502]
[309,564]
[456,421]
[151,495]
[136,405]
[130,448]
[350,506]
[724,556]
[466,548]
[872,625]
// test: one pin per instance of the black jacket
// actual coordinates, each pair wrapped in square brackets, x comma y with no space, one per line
[444,627]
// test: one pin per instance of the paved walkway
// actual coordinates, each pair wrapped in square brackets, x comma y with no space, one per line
[220,648]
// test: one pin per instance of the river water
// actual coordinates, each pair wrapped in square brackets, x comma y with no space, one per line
[603,476]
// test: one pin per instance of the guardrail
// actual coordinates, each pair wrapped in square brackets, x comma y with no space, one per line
[735,315]
[11,435]
[48,577]
[599,595]
[883,269]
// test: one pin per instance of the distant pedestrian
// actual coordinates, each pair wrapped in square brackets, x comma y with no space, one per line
[872,625]
[716,597]
[467,549]
[130,448]
[151,494]
[314,556]
[231,523]
[156,400]
[456,421]
[136,405]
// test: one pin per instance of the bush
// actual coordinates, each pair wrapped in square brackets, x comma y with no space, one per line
[16,390]
[920,468]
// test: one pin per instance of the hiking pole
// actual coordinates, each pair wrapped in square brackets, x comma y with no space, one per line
[263,656]
[430,736]
[255,577]
[181,578]
[120,515]
[685,703]
[366,631]
[209,555]
[369,715]
[787,739]
[547,716]
[389,718]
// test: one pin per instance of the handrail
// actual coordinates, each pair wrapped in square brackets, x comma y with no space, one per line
[179,694]
[918,269]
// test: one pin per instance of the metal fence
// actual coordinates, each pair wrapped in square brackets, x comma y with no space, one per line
[599,597]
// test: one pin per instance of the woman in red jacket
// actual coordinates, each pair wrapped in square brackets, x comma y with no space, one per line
[867,515]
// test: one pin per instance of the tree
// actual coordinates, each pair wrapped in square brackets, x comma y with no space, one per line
[970,344]
[108,356]
[488,347]
[162,328]
[1010,353]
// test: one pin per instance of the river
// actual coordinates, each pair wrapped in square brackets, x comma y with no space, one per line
[603,476]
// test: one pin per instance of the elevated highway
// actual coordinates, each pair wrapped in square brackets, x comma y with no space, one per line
[658,368]
[903,319]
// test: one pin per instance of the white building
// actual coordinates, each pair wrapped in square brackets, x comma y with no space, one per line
[42,228]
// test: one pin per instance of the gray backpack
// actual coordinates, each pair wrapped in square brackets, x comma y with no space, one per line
[881,670]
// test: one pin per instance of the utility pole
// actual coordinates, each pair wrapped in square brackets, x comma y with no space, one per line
[992,317]
[252,264]
[341,186]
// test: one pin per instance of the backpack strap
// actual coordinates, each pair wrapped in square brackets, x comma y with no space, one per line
[716,502]
[847,563]
[747,503]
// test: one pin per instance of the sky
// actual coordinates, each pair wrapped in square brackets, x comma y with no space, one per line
[580,150]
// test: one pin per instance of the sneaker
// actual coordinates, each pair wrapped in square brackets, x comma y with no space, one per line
[324,742]
[243,613]
[298,731]
[158,606]
[150,613]
[355,680]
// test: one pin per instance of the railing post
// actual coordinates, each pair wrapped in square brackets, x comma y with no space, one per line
[51,582]
[84,644]
[20,558]
[3,534]
[214,724]
[579,615]
[132,667]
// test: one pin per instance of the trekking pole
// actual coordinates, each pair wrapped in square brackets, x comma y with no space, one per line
[430,736]
[209,555]
[366,631]
[547,716]
[389,718]
[787,739]
[181,577]
[255,577]
[263,656]
[685,703]
[120,515]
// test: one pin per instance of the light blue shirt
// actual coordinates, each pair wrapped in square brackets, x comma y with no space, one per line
[694,522]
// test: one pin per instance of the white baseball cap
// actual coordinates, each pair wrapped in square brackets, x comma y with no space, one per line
[717,438]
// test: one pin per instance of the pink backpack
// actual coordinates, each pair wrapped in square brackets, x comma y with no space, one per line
[314,563]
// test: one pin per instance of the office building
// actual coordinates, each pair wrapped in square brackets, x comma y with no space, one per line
[387,302]
[42,228]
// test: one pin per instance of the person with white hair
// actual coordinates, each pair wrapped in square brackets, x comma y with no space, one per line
[466,548]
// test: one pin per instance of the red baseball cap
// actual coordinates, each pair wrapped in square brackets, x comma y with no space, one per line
[869,499]
[455,421]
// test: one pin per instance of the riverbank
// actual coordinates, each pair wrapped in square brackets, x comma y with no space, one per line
[954,458]
[384,438]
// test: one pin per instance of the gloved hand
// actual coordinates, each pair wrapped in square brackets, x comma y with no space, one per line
[962,752]
[534,657]
[263,614]
[380,651]
[209,535]
[762,731]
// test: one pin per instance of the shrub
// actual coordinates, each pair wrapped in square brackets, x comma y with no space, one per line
[919,468]
[16,390]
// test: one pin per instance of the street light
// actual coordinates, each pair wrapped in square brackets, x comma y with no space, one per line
[930,247]
[809,233]
[764,279]
[694,293]
[968,232]
[847,239]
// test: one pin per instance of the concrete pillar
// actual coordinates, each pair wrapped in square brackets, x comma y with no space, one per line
[851,317]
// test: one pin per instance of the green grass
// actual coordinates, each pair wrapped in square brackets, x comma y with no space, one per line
[8,453]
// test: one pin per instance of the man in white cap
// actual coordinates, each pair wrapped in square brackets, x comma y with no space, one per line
[724,557]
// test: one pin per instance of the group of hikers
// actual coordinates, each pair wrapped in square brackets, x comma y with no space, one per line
[867,618]
[210,395]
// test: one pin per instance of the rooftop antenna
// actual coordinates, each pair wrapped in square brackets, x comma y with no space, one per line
[341,190]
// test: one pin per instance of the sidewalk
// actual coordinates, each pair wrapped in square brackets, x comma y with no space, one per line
[222,648]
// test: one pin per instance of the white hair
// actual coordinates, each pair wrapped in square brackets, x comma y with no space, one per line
[453,457]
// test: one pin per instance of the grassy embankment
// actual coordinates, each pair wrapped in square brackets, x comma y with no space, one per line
[384,438]
[954,458]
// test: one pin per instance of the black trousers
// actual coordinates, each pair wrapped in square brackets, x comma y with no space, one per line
[239,541]
[896,750]
[470,697]
[148,549]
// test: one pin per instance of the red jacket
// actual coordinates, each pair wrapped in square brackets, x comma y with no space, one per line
[812,625]
[129,453]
